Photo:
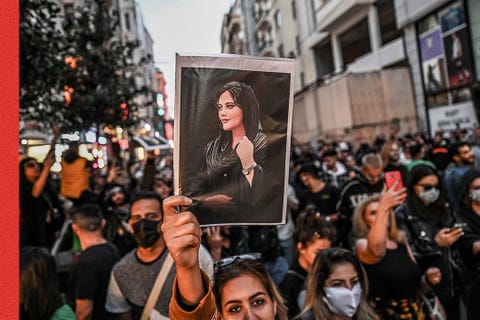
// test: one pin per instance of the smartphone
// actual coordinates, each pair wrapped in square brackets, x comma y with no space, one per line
[393,176]
[459,225]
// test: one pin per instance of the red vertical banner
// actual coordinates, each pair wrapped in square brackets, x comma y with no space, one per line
[9,82]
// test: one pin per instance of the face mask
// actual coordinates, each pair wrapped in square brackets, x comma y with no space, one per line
[475,196]
[146,232]
[342,301]
[430,196]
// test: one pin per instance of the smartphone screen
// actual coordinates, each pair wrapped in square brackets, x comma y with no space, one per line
[391,177]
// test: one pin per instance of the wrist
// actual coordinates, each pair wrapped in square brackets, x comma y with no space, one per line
[246,170]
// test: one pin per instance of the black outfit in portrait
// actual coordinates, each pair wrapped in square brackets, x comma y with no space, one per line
[223,175]
[90,277]
[290,288]
[393,284]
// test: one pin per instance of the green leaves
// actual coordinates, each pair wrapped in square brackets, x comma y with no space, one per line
[99,76]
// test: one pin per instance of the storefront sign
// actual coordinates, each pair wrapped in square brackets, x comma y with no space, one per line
[448,117]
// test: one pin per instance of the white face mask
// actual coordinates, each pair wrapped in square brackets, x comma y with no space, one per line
[429,196]
[475,196]
[342,301]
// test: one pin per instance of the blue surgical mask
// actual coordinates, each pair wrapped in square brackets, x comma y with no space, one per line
[343,301]
[430,196]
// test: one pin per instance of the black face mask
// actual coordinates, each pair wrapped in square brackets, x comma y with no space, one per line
[146,232]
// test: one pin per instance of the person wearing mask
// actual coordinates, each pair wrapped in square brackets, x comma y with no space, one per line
[367,183]
[337,288]
[312,235]
[427,221]
[462,161]
[394,276]
[116,211]
[469,244]
[132,278]
[242,288]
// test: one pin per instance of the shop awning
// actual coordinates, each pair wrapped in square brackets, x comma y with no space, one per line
[151,143]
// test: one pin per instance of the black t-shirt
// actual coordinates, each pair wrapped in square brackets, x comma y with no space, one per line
[291,286]
[90,277]
[325,200]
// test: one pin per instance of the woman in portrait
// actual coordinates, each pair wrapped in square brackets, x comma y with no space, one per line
[234,160]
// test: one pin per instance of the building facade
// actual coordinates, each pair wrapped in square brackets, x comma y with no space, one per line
[352,80]
[132,28]
[442,40]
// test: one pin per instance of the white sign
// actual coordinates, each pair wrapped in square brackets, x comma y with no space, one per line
[446,118]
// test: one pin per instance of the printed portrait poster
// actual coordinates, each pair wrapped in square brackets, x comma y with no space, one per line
[233,118]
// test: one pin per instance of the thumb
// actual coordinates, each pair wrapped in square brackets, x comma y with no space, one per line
[170,205]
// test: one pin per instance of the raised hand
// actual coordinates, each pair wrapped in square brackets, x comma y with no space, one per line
[244,150]
[181,232]
[391,198]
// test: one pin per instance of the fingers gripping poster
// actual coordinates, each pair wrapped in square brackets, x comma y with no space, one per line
[233,119]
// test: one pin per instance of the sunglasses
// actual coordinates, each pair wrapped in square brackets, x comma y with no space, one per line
[230,260]
[427,187]
[31,164]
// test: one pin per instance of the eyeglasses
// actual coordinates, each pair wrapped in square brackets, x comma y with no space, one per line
[230,260]
[31,164]
[373,178]
[427,187]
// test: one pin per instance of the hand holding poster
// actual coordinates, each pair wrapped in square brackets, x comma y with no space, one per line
[232,137]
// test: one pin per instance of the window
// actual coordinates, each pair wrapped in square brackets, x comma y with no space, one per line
[355,42]
[323,58]
[281,52]
[294,10]
[302,79]
[278,19]
[298,44]
[69,10]
[388,24]
[127,21]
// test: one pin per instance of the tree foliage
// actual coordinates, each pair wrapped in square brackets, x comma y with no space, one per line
[41,63]
[87,59]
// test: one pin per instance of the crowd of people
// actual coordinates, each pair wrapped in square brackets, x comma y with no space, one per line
[387,230]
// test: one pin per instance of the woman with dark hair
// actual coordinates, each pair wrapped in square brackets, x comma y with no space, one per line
[312,235]
[39,292]
[427,221]
[337,288]
[38,205]
[242,288]
[234,160]
[469,244]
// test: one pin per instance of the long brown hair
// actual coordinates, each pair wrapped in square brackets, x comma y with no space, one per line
[254,268]
[321,269]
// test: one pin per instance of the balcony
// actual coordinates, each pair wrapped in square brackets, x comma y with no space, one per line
[336,11]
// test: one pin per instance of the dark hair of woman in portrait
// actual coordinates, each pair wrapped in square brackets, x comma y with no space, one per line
[337,288]
[40,297]
[243,271]
[427,221]
[242,97]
